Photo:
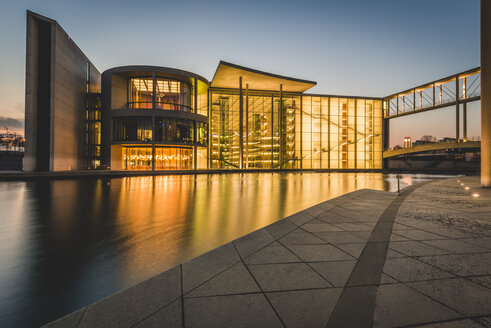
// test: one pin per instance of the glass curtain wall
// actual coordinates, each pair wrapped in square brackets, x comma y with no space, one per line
[166,158]
[137,158]
[140,92]
[262,128]
[312,132]
[170,158]
[132,129]
[224,130]
[202,98]
[341,133]
[169,94]
[93,130]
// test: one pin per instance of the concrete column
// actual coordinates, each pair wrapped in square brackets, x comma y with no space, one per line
[153,141]
[241,125]
[208,142]
[457,111]
[280,127]
[464,109]
[329,133]
[247,126]
[434,97]
[356,134]
[485,93]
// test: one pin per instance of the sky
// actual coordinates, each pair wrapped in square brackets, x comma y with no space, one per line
[350,47]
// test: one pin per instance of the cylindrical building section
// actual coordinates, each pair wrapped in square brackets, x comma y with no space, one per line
[486,93]
[154,118]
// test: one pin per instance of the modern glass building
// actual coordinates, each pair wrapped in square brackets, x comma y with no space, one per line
[154,118]
[157,118]
[265,121]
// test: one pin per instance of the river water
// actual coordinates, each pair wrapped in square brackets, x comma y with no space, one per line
[67,243]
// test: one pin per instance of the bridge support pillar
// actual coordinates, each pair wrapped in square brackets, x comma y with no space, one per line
[485,93]
[457,110]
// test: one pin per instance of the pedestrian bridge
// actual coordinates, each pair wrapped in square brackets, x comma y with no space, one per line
[431,147]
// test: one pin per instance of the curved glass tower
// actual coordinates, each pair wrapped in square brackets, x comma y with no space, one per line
[154,118]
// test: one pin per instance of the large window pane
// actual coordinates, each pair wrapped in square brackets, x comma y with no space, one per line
[132,129]
[140,93]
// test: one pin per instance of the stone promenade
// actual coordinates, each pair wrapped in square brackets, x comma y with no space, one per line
[365,259]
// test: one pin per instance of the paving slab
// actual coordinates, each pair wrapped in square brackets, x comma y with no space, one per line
[318,253]
[253,242]
[134,304]
[467,323]
[236,280]
[354,249]
[407,269]
[301,237]
[460,294]
[340,237]
[416,248]
[417,234]
[482,280]
[247,310]
[456,246]
[274,253]
[305,308]
[287,276]
[320,227]
[336,272]
[399,305]
[483,242]
[200,269]
[169,316]
[461,265]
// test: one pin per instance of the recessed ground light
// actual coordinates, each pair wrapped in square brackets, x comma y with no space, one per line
[475,195]
[461,184]
[466,188]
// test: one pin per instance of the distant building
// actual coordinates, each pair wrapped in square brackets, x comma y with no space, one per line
[447,139]
[407,142]
[11,142]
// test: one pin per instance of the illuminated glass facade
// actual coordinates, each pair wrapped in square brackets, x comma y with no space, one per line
[166,158]
[295,131]
[155,119]
[166,120]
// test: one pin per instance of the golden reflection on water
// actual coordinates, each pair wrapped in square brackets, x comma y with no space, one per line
[166,220]
[81,240]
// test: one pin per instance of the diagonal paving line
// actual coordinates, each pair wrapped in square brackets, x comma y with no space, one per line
[356,305]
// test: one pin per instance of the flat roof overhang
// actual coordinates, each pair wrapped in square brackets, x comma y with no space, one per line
[227,76]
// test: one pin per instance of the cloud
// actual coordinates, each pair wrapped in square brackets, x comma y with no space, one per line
[11,123]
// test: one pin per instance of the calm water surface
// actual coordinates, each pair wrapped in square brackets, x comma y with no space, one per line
[68,243]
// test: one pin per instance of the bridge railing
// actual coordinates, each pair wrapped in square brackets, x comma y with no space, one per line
[459,88]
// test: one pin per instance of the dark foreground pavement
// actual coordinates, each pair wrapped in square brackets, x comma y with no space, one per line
[368,258]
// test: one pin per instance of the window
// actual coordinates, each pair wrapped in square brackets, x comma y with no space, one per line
[140,93]
[132,129]
[174,130]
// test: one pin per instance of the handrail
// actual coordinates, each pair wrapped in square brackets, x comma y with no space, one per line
[154,105]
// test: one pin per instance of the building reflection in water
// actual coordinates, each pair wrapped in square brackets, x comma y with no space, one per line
[67,243]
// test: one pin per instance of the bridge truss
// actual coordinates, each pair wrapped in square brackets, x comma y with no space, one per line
[453,90]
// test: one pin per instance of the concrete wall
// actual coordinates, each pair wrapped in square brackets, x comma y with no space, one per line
[69,68]
[119,91]
[116,157]
[106,128]
[486,93]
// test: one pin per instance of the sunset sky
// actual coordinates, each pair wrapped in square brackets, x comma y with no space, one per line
[350,47]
